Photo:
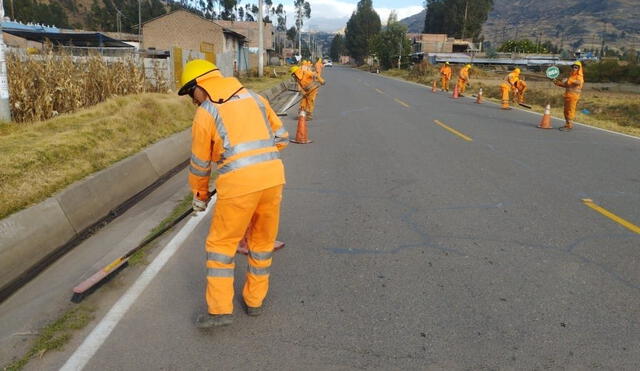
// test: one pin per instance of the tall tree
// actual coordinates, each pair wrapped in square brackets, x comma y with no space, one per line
[457,18]
[338,47]
[391,45]
[362,27]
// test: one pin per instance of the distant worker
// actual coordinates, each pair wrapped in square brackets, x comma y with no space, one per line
[445,75]
[509,85]
[573,88]
[309,83]
[236,131]
[319,66]
[521,87]
[463,79]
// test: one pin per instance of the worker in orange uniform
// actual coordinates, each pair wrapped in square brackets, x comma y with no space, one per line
[319,67]
[508,85]
[309,83]
[445,76]
[521,87]
[573,88]
[236,131]
[463,78]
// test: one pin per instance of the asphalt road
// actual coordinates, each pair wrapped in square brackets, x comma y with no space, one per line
[409,247]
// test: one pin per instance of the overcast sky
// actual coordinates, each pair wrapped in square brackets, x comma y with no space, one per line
[332,15]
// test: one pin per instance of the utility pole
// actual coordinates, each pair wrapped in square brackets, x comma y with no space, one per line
[400,54]
[464,22]
[139,22]
[300,32]
[13,16]
[5,110]
[260,39]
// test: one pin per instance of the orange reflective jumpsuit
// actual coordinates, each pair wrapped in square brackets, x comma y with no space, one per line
[445,76]
[507,85]
[521,85]
[309,83]
[237,132]
[463,79]
[573,88]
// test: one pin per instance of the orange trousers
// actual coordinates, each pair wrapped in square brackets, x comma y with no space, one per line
[570,104]
[230,221]
[520,95]
[462,85]
[445,83]
[505,89]
[309,102]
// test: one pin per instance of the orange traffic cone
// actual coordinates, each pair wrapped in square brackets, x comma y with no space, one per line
[301,132]
[456,94]
[433,87]
[479,97]
[545,123]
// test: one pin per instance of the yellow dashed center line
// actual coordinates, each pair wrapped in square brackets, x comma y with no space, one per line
[454,131]
[630,226]
[401,102]
[379,91]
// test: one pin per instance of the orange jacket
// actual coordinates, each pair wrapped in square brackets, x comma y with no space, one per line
[464,74]
[307,80]
[237,131]
[574,84]
[445,71]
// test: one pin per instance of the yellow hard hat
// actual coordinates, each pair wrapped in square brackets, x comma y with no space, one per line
[446,62]
[192,70]
[468,66]
[294,69]
[577,63]
[516,70]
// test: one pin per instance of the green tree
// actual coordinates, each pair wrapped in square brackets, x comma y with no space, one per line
[391,43]
[338,47]
[362,27]
[457,18]
[35,11]
[522,46]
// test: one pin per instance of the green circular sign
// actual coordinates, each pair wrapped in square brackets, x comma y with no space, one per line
[553,72]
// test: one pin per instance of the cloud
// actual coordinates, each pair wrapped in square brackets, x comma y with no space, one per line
[332,15]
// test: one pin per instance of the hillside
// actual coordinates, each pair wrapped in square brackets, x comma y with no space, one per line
[570,23]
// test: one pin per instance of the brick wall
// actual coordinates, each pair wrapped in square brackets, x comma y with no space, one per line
[181,29]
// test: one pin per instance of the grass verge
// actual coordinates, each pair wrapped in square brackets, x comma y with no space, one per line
[42,158]
[55,335]
[273,75]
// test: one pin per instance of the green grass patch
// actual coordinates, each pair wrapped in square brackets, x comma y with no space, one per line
[55,335]
[140,257]
[273,75]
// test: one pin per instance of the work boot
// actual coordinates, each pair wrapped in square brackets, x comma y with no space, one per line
[254,311]
[207,320]
[565,128]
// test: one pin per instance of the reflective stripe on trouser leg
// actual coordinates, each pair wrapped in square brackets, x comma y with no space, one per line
[260,242]
[230,221]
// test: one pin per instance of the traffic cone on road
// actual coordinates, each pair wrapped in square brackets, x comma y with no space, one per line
[433,87]
[479,97]
[456,94]
[301,132]
[545,123]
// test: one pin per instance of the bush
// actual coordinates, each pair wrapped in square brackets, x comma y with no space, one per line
[612,71]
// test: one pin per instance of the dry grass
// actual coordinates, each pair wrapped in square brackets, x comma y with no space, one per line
[269,80]
[43,157]
[45,85]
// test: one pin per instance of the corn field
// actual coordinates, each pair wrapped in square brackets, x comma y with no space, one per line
[45,85]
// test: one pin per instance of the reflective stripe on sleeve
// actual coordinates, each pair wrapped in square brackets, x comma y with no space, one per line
[258,271]
[247,161]
[197,172]
[261,255]
[199,162]
[216,257]
[220,272]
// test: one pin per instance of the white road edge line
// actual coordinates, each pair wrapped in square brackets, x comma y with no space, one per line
[103,329]
[520,109]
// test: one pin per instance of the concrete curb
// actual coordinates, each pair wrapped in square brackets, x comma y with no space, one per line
[33,238]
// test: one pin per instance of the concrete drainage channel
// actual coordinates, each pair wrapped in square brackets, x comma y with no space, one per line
[34,238]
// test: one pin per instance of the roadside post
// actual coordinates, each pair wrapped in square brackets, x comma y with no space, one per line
[5,110]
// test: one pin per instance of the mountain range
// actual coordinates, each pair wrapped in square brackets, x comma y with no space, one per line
[570,23]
